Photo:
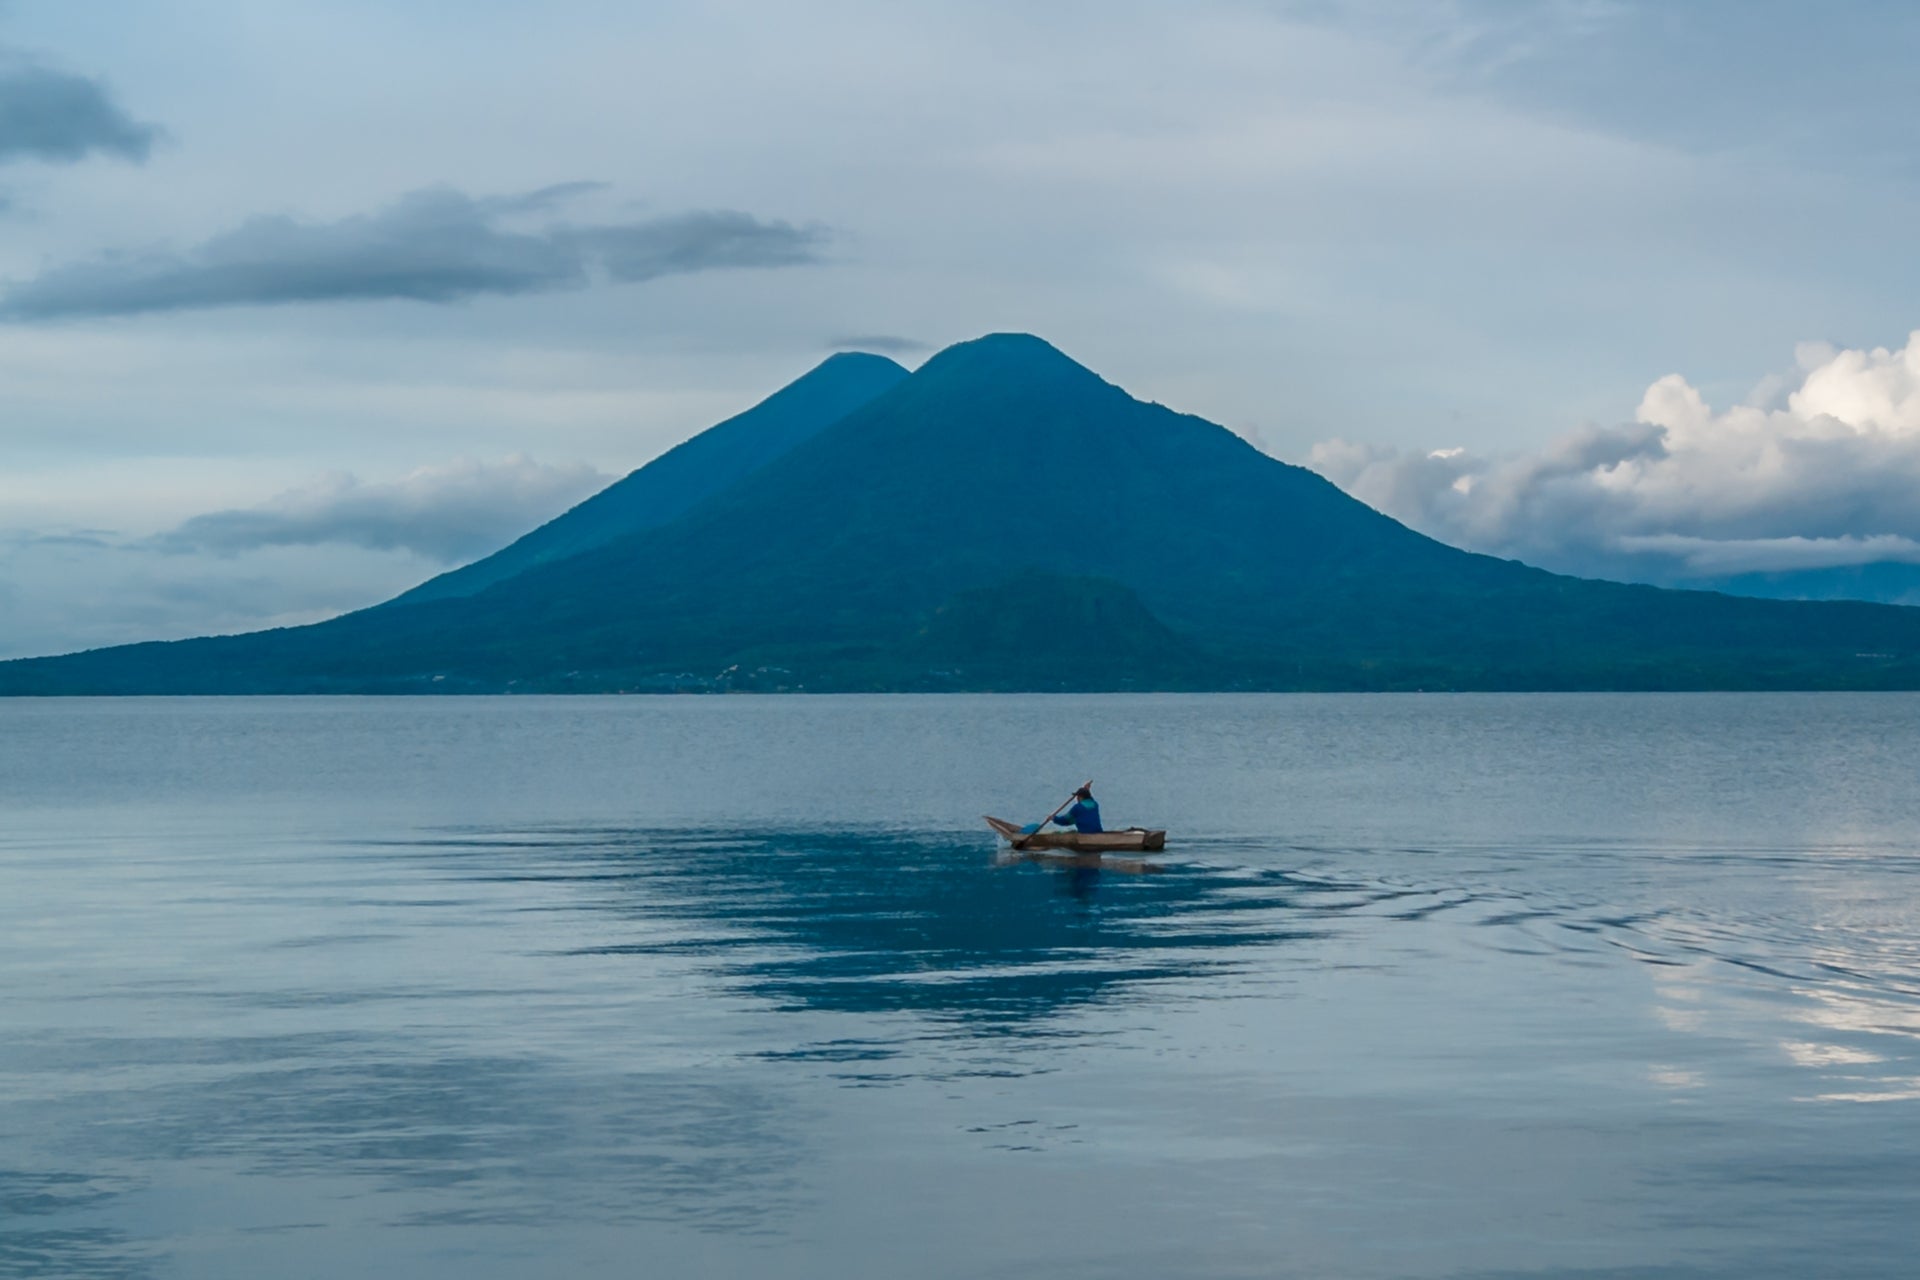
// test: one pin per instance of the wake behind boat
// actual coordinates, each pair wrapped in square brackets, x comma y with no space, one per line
[1132,840]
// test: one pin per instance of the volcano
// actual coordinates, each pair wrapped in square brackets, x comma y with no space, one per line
[1003,518]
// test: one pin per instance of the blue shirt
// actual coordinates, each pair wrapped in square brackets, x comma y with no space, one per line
[1084,816]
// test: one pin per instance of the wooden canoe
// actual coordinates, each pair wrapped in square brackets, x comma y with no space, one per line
[1132,840]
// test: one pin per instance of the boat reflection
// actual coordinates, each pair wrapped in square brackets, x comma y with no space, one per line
[1090,862]
[882,921]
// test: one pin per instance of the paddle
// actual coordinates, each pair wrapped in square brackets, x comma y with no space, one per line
[1041,825]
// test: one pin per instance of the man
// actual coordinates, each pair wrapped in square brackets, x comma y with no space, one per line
[1084,816]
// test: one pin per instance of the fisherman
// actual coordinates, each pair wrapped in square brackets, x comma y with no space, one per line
[1084,816]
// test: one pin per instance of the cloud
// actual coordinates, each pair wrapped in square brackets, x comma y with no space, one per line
[1710,557]
[1822,473]
[56,116]
[1706,77]
[449,513]
[57,596]
[78,538]
[887,343]
[697,242]
[304,555]
[435,245]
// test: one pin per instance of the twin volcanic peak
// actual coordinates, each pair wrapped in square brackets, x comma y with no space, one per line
[1003,518]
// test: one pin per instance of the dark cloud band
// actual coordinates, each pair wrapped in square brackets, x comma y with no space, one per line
[437,245]
[696,242]
[53,115]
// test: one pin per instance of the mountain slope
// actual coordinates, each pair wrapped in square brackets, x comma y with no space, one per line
[684,475]
[1003,491]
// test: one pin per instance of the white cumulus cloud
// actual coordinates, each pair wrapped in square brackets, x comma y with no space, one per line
[1822,472]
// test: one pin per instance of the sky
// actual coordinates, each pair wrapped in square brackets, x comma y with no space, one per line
[301,303]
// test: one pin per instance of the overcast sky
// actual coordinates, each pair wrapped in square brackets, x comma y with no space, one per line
[301,302]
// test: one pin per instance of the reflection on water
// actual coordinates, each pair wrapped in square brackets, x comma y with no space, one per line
[884,923]
[622,1027]
[242,1045]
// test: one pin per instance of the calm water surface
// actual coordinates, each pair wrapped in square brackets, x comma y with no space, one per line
[1433,986]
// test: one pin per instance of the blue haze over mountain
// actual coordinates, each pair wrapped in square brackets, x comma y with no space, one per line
[1887,581]
[1005,519]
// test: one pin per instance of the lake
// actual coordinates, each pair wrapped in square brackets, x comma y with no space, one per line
[1431,986]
